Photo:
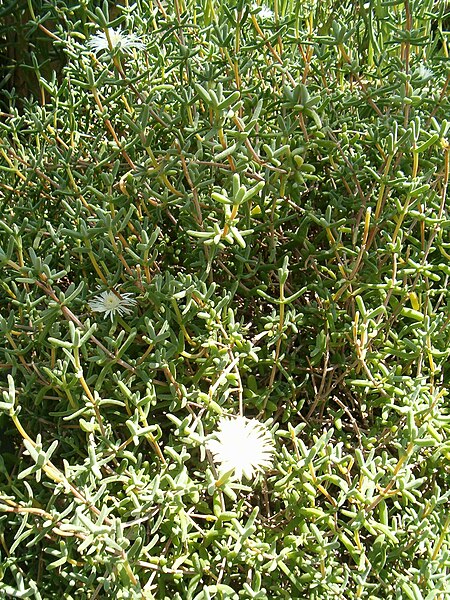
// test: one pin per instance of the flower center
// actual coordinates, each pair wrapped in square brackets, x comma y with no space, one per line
[112,301]
[115,37]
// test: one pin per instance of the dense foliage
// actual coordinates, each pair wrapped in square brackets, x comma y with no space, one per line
[269,183]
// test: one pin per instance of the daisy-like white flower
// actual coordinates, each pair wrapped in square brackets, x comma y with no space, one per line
[119,41]
[423,72]
[242,447]
[110,303]
[264,13]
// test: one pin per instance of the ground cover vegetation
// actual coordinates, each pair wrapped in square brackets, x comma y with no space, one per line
[224,249]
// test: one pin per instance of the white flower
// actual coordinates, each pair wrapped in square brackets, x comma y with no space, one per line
[264,11]
[423,72]
[111,302]
[119,41]
[243,447]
